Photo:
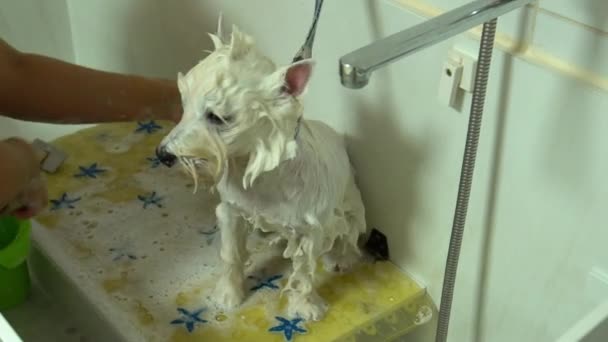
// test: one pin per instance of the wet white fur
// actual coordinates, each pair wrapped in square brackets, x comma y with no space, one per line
[302,189]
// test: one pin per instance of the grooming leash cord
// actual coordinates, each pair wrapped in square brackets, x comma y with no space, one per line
[305,51]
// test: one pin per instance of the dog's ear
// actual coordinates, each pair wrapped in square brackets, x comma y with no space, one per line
[279,145]
[292,79]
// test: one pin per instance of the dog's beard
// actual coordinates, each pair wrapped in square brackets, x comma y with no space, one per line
[191,164]
[212,167]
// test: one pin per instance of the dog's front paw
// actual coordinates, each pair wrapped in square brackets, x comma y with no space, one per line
[310,307]
[228,296]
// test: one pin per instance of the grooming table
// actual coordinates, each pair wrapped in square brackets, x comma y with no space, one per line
[143,250]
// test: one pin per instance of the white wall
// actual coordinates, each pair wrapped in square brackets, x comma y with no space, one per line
[37,26]
[540,188]
[154,38]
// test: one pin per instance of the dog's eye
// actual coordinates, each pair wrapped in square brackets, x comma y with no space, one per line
[216,119]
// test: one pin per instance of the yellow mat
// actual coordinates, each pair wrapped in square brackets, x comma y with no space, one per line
[144,249]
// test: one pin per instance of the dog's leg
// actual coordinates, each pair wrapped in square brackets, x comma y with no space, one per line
[346,253]
[342,257]
[304,301]
[229,292]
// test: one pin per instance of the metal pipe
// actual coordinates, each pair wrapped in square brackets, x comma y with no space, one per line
[356,67]
[466,178]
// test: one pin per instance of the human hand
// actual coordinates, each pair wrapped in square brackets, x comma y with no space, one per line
[32,200]
[29,194]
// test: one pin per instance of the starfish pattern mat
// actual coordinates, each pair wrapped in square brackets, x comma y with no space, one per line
[144,250]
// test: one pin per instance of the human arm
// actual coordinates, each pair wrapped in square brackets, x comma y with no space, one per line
[38,88]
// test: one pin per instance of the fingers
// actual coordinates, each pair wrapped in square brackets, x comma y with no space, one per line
[36,197]
[25,213]
[30,156]
[23,190]
[32,200]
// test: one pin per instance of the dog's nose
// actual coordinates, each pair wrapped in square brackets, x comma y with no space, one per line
[165,156]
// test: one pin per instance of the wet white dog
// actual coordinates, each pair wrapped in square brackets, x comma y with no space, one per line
[274,171]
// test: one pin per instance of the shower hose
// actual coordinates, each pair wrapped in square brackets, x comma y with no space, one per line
[466,177]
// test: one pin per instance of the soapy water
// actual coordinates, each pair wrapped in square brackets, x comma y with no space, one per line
[424,315]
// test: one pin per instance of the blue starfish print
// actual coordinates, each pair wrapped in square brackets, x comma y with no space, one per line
[119,253]
[154,162]
[63,202]
[288,327]
[189,319]
[91,171]
[147,127]
[268,282]
[151,199]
